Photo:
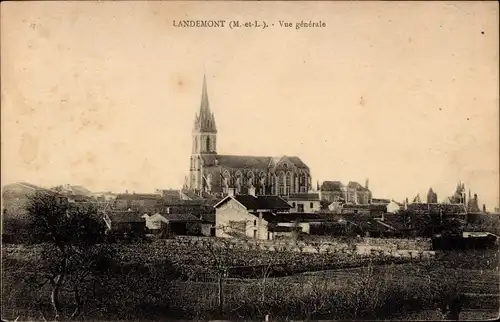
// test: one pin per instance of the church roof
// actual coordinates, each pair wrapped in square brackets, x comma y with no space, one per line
[205,120]
[248,162]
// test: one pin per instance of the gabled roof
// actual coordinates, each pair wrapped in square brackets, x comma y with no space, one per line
[331,186]
[171,194]
[138,196]
[182,218]
[192,195]
[258,202]
[355,185]
[125,217]
[262,202]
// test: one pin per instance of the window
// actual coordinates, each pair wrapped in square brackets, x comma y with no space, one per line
[208,144]
[288,182]
[300,207]
[255,234]
[255,222]
[311,205]
[293,204]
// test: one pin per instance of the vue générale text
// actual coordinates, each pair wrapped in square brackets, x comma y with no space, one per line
[237,24]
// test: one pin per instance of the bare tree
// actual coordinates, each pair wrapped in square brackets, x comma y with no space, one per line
[73,253]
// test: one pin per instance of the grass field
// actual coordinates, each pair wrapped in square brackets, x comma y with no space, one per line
[376,290]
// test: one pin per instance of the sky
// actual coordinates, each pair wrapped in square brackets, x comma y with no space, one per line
[104,94]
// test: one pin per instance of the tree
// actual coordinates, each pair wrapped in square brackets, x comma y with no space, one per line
[73,254]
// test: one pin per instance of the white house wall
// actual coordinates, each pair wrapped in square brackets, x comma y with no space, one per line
[316,205]
[232,211]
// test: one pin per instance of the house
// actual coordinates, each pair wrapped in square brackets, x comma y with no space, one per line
[335,207]
[304,202]
[332,191]
[248,215]
[353,192]
[155,223]
[355,209]
[393,207]
[125,223]
[143,202]
[299,221]
[187,224]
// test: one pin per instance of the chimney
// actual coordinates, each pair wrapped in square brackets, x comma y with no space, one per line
[251,191]
[230,192]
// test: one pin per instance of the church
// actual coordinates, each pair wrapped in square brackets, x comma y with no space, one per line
[219,174]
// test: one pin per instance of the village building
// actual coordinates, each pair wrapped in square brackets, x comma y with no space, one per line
[353,192]
[248,216]
[124,223]
[142,202]
[215,174]
[304,202]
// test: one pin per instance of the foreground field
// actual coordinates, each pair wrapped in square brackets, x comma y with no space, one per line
[152,282]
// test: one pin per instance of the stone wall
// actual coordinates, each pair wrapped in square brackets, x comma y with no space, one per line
[371,247]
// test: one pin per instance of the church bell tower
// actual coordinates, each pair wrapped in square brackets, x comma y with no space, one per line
[204,139]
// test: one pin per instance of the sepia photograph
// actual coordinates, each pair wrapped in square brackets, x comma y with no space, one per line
[250,160]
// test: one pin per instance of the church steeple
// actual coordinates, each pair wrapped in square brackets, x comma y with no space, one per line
[205,120]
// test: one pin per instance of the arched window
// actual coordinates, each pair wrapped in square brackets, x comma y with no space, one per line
[281,184]
[288,183]
[250,176]
[239,182]
[208,144]
[226,179]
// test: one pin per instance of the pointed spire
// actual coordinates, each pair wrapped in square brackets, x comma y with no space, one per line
[205,106]
[205,120]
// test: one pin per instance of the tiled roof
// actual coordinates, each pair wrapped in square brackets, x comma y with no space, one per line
[171,194]
[138,196]
[303,196]
[262,202]
[297,217]
[192,195]
[182,218]
[125,217]
[180,202]
[331,186]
